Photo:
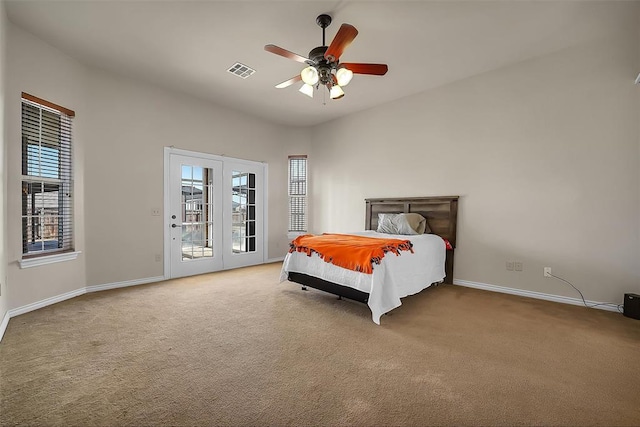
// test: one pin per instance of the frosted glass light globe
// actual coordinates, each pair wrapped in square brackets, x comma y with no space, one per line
[307,90]
[344,76]
[336,92]
[309,75]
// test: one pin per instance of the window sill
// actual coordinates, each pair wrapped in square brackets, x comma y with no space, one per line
[48,259]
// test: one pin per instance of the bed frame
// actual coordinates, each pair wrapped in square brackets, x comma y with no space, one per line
[441,213]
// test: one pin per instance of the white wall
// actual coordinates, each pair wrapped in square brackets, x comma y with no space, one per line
[544,155]
[4,306]
[131,122]
[120,129]
[41,70]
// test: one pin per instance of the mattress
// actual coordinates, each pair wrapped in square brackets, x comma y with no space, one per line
[396,277]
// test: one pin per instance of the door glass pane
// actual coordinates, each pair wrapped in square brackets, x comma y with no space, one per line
[197,212]
[243,212]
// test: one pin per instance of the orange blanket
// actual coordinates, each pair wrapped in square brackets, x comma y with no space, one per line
[356,253]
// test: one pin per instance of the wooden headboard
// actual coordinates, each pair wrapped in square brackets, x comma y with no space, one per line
[441,213]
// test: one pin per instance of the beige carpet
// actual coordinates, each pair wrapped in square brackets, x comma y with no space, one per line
[238,348]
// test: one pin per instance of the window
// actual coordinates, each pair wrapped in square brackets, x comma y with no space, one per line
[297,193]
[47,179]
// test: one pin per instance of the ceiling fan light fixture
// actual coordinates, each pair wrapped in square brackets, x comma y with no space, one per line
[307,90]
[344,76]
[309,75]
[336,92]
[323,66]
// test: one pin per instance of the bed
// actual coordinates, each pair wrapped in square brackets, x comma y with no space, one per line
[396,276]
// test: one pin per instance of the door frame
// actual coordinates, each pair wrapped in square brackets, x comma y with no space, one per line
[166,216]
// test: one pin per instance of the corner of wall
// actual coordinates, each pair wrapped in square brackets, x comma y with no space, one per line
[638,104]
[4,318]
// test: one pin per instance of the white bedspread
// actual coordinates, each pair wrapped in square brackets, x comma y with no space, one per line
[396,276]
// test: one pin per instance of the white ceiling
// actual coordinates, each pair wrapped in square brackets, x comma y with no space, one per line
[188,45]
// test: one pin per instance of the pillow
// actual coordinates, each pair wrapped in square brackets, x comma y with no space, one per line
[410,223]
[401,223]
[418,223]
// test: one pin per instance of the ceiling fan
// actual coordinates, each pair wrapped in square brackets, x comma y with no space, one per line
[324,67]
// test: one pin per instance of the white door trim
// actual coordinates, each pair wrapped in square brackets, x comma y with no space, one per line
[166,222]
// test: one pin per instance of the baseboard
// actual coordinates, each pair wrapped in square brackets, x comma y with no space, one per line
[125,284]
[270,260]
[59,298]
[96,288]
[45,302]
[4,324]
[531,294]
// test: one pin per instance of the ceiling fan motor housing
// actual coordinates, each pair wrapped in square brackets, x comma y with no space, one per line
[324,76]
[317,54]
[323,66]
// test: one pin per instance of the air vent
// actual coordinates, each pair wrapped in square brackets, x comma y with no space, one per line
[241,70]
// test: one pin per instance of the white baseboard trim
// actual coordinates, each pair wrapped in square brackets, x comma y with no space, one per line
[125,284]
[96,288]
[270,260]
[4,324]
[59,298]
[531,294]
[45,302]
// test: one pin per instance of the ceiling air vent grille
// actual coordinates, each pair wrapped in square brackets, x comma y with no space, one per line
[241,70]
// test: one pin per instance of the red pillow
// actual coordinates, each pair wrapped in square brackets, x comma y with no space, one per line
[447,244]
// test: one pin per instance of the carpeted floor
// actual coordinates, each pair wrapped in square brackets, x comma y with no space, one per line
[238,348]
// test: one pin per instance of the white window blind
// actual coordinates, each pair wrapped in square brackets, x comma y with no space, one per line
[47,179]
[298,193]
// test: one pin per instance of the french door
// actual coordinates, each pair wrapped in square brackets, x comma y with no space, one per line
[214,213]
[243,225]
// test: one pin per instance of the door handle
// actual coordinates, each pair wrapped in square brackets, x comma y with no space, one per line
[173,225]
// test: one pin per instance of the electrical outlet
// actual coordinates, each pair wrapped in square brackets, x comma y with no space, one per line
[517,266]
[509,265]
[547,272]
[155,212]
[158,257]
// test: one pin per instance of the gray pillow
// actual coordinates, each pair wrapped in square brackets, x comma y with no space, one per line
[395,224]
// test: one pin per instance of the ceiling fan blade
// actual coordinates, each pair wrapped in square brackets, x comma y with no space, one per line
[289,82]
[343,38]
[358,68]
[284,52]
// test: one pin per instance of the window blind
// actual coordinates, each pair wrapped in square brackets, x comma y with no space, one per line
[47,179]
[298,193]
